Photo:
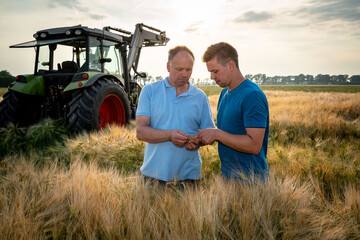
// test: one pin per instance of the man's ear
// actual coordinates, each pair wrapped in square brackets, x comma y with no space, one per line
[231,65]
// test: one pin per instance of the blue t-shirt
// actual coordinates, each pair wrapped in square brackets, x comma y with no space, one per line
[245,106]
[188,112]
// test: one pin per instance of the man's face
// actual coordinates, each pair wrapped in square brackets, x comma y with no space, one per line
[180,69]
[218,72]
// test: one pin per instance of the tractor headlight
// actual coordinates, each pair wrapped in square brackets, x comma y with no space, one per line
[78,32]
[20,78]
[43,35]
[68,32]
[36,35]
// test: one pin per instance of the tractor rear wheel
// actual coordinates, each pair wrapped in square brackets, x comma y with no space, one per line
[23,110]
[103,103]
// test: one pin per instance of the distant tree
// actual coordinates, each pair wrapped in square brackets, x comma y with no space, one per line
[342,79]
[300,79]
[310,79]
[355,79]
[286,80]
[256,78]
[5,73]
[277,80]
[323,79]
[338,79]
[249,76]
[259,78]
[270,80]
[5,78]
[263,79]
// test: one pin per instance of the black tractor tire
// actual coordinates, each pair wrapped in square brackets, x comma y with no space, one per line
[91,109]
[20,109]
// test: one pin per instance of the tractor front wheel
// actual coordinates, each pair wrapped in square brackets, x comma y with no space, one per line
[103,103]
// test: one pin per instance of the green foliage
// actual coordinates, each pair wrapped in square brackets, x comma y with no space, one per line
[5,78]
[44,137]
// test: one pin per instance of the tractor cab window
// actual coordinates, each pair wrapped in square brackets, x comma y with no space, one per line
[94,54]
[64,57]
[67,59]
[43,63]
[112,59]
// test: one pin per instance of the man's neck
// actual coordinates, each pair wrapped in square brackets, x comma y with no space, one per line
[180,90]
[238,78]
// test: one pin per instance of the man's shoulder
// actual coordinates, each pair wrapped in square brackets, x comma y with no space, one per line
[253,88]
[154,86]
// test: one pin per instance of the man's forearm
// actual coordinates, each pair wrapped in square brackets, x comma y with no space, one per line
[152,135]
[251,142]
[248,143]
[241,143]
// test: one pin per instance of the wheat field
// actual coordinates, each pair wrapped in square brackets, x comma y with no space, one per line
[89,186]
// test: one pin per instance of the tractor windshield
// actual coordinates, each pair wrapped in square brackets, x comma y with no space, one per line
[104,56]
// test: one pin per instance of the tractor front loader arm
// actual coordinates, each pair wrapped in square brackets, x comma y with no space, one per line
[144,36]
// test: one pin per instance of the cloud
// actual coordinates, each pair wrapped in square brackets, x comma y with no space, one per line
[73,4]
[97,17]
[327,10]
[194,27]
[252,16]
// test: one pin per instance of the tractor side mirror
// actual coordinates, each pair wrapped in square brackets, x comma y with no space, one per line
[105,60]
[141,74]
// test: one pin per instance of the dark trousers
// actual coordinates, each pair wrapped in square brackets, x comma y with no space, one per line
[191,183]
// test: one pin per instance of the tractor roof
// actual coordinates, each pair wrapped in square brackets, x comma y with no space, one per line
[74,31]
[61,34]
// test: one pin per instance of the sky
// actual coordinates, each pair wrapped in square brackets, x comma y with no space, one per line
[277,37]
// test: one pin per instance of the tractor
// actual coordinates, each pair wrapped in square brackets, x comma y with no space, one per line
[85,76]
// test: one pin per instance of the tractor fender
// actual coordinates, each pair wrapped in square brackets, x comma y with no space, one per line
[29,84]
[91,81]
[79,83]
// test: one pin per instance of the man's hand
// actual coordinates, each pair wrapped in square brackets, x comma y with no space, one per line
[178,137]
[208,135]
[192,142]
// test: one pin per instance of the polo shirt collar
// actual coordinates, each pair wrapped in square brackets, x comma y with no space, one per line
[191,91]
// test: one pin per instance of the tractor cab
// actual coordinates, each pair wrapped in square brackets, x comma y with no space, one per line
[67,51]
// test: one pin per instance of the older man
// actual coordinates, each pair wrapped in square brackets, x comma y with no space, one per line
[170,113]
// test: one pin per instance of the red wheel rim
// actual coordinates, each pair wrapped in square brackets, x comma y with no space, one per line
[111,112]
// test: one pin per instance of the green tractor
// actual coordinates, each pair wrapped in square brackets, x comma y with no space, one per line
[82,75]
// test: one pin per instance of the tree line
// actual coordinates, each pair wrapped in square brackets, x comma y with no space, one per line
[301,79]
[262,79]
[5,78]
[321,79]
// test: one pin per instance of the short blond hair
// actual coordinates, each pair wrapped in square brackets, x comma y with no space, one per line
[223,52]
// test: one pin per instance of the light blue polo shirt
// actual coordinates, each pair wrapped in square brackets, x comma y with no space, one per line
[188,112]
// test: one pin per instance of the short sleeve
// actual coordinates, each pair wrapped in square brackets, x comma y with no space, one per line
[255,110]
[144,103]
